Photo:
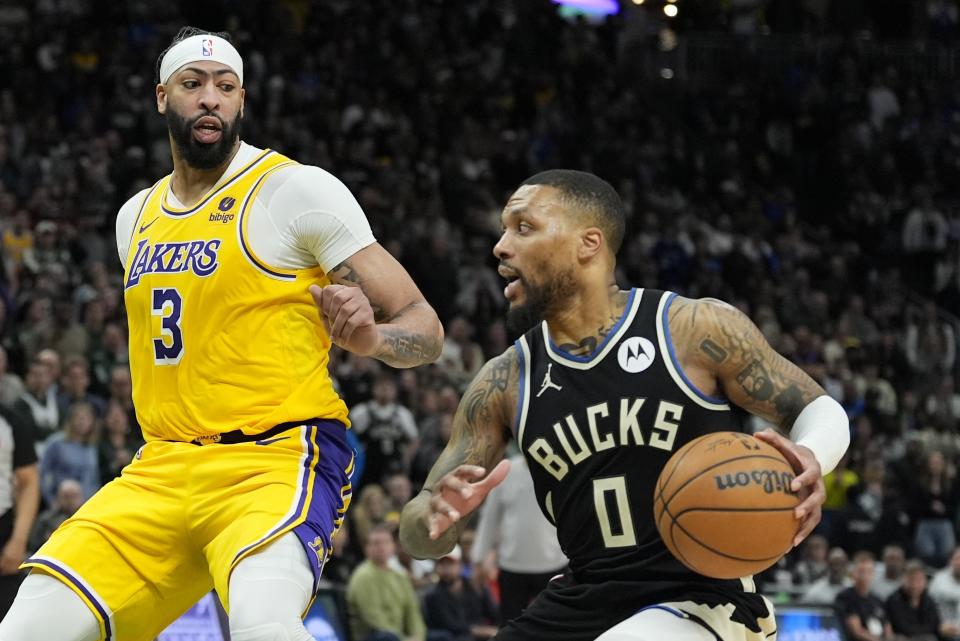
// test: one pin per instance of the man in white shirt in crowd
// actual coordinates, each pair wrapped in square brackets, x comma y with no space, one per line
[824,591]
[889,575]
[945,589]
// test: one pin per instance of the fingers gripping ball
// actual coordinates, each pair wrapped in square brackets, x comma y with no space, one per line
[723,505]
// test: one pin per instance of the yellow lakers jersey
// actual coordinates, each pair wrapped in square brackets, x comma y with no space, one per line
[219,340]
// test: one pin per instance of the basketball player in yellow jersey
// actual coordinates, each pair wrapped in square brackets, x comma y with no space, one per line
[240,269]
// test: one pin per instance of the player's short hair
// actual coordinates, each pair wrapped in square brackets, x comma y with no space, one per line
[591,195]
[184,33]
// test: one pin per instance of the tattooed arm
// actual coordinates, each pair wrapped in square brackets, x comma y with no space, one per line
[375,309]
[723,352]
[431,523]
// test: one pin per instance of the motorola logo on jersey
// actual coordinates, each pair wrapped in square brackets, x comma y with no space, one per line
[636,354]
[197,256]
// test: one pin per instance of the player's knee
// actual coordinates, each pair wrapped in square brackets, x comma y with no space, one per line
[269,591]
[40,595]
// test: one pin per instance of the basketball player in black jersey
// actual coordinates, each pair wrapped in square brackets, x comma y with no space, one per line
[599,393]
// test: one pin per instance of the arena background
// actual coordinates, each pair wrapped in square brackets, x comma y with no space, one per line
[797,158]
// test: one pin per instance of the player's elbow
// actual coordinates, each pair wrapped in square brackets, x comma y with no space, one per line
[438,336]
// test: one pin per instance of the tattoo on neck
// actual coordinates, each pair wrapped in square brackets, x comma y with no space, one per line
[588,344]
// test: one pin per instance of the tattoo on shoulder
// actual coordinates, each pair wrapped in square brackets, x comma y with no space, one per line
[713,351]
[756,377]
[496,381]
[755,380]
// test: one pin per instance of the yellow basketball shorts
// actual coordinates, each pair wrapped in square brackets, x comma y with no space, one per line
[149,544]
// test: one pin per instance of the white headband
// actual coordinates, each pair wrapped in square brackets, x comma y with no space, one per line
[204,46]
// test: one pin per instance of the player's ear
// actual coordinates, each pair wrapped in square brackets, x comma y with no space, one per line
[591,243]
[243,96]
[161,99]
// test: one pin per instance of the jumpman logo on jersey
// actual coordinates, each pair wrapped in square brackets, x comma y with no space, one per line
[547,383]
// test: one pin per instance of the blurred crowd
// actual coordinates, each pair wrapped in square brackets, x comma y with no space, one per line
[819,196]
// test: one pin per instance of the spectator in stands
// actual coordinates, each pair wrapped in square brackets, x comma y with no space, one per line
[456,610]
[934,504]
[837,483]
[812,566]
[945,590]
[75,388]
[11,387]
[873,517]
[942,406]
[824,591]
[39,401]
[930,345]
[72,454]
[516,545]
[121,391]
[890,573]
[367,512]
[117,444]
[912,611]
[387,431]
[383,605]
[19,499]
[859,611]
[431,444]
[108,357]
[69,499]
[461,358]
[344,558]
[399,492]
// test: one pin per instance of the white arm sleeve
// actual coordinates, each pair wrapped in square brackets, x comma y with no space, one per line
[126,219]
[304,217]
[823,426]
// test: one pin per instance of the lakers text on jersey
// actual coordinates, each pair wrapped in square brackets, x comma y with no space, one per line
[220,341]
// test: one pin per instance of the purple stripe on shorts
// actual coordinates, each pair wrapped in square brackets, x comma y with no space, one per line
[329,483]
[78,585]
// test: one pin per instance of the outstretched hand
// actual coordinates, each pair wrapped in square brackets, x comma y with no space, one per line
[459,493]
[808,483]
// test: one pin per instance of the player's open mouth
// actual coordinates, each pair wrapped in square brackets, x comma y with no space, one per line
[513,282]
[207,130]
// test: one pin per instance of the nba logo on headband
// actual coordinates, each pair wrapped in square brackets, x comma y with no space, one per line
[207,45]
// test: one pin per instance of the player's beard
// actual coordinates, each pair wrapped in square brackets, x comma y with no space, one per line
[197,154]
[542,300]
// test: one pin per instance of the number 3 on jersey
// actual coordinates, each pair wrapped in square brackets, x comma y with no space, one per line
[168,305]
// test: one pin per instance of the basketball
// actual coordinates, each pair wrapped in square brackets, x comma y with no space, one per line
[723,505]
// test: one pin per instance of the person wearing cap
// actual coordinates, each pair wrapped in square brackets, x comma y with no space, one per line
[454,610]
[241,269]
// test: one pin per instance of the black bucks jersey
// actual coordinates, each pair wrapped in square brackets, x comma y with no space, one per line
[596,431]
